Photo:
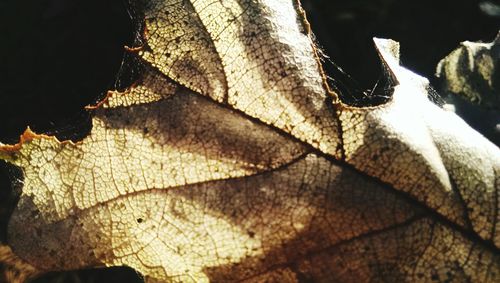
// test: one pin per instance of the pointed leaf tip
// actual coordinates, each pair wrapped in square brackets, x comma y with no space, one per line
[388,52]
[387,48]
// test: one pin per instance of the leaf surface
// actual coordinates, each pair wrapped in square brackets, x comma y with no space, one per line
[471,71]
[231,160]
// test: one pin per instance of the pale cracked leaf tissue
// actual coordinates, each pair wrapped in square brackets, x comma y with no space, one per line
[232,160]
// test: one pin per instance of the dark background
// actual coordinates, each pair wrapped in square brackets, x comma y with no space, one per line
[57,56]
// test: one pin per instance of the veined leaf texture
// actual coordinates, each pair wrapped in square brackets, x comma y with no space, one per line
[232,160]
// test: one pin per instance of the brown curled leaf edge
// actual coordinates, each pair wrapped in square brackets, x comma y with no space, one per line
[232,160]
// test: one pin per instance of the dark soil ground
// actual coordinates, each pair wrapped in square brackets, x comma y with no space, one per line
[57,56]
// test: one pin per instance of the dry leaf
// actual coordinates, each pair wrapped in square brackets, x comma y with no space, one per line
[231,160]
[471,71]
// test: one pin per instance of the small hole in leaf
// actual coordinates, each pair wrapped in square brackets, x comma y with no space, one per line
[139,220]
